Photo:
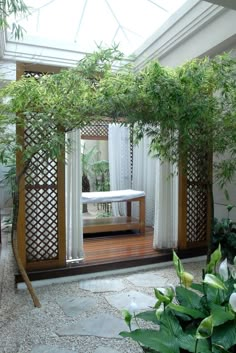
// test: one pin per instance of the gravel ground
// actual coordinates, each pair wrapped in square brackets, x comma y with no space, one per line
[22,326]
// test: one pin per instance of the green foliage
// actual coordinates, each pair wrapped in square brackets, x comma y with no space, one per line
[64,100]
[189,105]
[101,171]
[224,233]
[192,321]
[13,8]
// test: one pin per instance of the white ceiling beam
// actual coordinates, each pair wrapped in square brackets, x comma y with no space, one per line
[231,4]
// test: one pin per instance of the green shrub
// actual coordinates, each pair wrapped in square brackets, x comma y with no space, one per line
[193,317]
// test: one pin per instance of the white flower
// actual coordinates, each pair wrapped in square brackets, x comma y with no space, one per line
[133,307]
[232,301]
[223,270]
[233,272]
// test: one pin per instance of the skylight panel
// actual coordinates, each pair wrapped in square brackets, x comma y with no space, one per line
[86,23]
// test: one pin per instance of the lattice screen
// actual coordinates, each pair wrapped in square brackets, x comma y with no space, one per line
[197,197]
[41,196]
[41,210]
[96,129]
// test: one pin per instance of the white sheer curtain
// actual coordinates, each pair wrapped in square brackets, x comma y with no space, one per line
[161,189]
[145,173]
[74,228]
[166,211]
[119,163]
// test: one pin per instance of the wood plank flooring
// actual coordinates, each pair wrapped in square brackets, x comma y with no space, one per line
[119,247]
[112,251]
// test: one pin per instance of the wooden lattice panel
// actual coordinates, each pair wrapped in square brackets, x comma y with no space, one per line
[41,223]
[40,204]
[98,129]
[197,197]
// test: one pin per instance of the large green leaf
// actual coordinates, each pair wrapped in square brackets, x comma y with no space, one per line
[212,295]
[187,297]
[220,314]
[225,335]
[149,315]
[197,286]
[170,323]
[194,313]
[159,341]
[188,342]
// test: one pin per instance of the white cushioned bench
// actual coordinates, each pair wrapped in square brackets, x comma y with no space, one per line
[109,224]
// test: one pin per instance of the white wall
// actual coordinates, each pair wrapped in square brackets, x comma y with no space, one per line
[199,29]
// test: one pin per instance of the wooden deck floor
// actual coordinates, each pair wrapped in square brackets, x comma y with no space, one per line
[104,252]
[118,247]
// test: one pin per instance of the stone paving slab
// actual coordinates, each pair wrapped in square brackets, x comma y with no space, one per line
[102,285]
[125,300]
[42,348]
[106,350]
[152,280]
[102,325]
[75,305]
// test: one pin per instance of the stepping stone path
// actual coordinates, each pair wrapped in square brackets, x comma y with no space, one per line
[42,348]
[102,325]
[123,300]
[102,285]
[106,350]
[74,306]
[152,280]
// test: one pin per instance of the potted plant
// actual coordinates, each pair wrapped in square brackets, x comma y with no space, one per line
[193,317]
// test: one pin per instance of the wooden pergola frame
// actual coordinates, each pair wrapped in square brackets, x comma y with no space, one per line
[188,188]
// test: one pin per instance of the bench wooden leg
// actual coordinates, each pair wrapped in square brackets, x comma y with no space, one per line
[129,208]
[142,215]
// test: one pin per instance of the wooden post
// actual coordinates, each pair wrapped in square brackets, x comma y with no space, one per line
[142,214]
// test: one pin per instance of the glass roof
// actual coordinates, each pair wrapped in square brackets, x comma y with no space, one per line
[88,23]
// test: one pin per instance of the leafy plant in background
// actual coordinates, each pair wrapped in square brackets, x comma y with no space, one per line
[87,160]
[101,171]
[13,8]
[224,233]
[102,181]
[193,317]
